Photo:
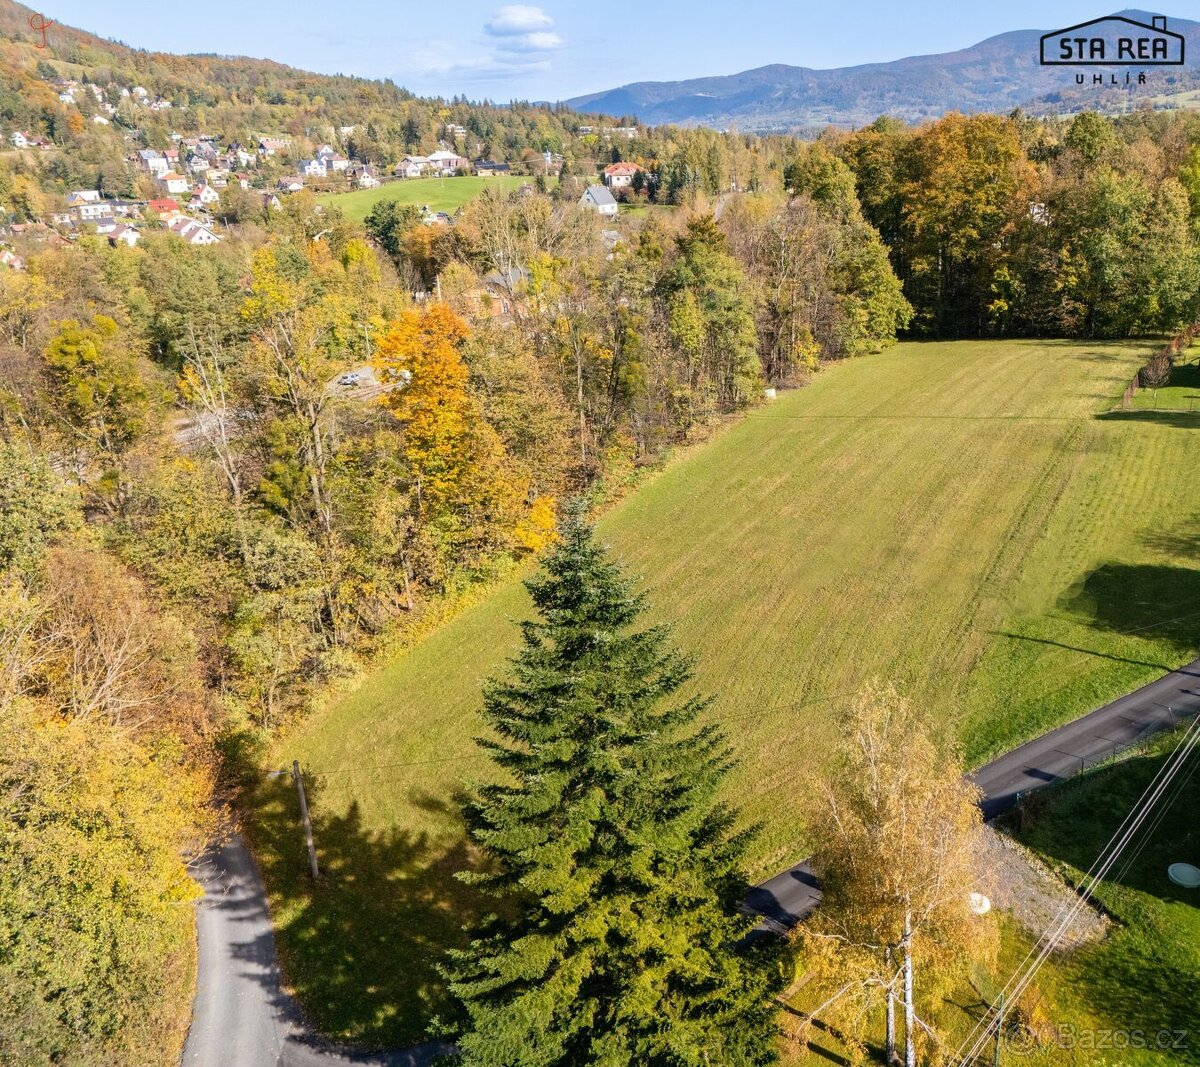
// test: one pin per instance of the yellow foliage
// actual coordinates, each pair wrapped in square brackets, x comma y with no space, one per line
[536,529]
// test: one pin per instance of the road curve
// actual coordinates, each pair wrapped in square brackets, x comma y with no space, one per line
[242,1017]
[788,897]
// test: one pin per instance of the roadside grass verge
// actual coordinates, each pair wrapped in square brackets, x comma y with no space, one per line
[952,517]
[1129,1000]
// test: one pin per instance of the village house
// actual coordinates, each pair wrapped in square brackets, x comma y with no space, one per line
[290,185]
[204,195]
[620,175]
[171,182]
[90,212]
[412,167]
[270,145]
[447,163]
[190,230]
[124,234]
[19,139]
[313,168]
[598,199]
[487,168]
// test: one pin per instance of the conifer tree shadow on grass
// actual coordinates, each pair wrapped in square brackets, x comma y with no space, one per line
[1154,601]
[361,948]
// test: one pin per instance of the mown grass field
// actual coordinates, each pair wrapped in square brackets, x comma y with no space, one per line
[440,194]
[958,518]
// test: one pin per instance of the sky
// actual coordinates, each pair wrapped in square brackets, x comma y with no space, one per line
[553,50]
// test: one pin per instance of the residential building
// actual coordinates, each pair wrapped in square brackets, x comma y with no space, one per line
[487,168]
[447,163]
[205,195]
[598,199]
[171,182]
[620,175]
[190,230]
[412,167]
[313,168]
[124,234]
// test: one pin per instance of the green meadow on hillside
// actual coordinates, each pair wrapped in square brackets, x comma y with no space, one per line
[960,518]
[440,194]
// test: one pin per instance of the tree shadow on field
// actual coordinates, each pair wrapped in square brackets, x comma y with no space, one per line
[1184,420]
[360,947]
[1154,601]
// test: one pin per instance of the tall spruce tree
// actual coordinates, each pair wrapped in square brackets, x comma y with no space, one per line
[617,869]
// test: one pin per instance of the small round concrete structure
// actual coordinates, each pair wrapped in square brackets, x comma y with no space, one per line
[1184,874]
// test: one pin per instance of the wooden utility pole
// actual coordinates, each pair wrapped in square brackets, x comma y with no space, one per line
[308,834]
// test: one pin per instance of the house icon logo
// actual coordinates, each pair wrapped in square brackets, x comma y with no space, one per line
[1114,41]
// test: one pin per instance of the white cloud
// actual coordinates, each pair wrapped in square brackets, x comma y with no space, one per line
[517,19]
[518,41]
[532,42]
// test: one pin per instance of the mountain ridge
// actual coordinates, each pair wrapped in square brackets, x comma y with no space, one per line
[998,73]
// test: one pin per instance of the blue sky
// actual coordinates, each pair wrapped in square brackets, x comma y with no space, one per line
[557,50]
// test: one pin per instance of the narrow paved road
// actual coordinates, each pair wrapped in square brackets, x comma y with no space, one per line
[243,1018]
[787,898]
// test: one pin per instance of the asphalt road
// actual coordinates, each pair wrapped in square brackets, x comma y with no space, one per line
[787,898]
[243,1018]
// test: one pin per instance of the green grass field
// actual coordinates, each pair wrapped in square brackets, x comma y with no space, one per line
[441,194]
[959,518]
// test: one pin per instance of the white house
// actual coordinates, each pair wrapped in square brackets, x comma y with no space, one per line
[205,195]
[314,168]
[171,182]
[195,233]
[19,139]
[367,180]
[598,199]
[83,196]
[620,175]
[90,212]
[445,162]
[412,167]
[124,234]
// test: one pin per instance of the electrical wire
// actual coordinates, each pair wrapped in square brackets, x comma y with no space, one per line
[1104,862]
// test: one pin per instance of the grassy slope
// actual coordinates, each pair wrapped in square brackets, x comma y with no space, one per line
[441,194]
[950,516]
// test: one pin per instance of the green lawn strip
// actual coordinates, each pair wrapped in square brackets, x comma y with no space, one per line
[950,516]
[440,194]
[1181,393]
